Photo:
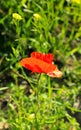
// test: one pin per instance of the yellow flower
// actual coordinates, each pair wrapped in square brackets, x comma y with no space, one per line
[16,16]
[31,117]
[36,16]
[32,92]
[76,1]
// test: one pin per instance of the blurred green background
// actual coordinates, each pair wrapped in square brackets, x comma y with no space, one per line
[47,26]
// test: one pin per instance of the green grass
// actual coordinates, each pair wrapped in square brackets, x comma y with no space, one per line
[29,101]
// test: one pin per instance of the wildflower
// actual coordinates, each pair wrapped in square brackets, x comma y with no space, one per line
[16,16]
[41,63]
[31,91]
[36,16]
[31,116]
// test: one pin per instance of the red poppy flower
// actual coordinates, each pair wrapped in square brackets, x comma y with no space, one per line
[41,63]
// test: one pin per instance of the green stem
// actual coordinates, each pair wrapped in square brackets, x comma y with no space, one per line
[37,102]
[49,88]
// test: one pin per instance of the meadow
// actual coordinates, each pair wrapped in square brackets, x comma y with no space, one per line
[32,100]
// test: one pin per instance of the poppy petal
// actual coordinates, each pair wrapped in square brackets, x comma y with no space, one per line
[37,65]
[37,55]
[45,57]
[33,64]
[55,73]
